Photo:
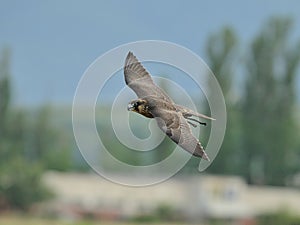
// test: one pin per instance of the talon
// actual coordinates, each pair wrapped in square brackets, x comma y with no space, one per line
[194,125]
[201,123]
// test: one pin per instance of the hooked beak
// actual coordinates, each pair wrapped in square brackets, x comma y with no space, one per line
[130,107]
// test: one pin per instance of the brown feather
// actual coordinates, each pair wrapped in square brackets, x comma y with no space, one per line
[153,102]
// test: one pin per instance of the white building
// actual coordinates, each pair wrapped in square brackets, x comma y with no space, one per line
[198,196]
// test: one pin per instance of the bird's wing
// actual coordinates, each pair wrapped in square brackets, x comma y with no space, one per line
[186,112]
[140,81]
[177,128]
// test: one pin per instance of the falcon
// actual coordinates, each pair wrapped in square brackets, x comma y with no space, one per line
[153,102]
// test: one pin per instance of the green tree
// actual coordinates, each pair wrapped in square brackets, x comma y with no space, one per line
[269,125]
[17,175]
[222,51]
[48,144]
[4,90]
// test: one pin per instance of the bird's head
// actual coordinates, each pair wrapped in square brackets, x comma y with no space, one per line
[139,106]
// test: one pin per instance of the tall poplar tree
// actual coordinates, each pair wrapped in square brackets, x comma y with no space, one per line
[269,125]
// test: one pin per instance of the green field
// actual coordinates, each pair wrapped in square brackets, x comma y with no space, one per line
[24,220]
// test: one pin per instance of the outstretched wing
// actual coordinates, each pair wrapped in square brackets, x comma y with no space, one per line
[140,81]
[177,128]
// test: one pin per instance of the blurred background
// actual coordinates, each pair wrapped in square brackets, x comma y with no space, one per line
[253,48]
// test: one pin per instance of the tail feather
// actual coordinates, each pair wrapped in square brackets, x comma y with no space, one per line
[186,112]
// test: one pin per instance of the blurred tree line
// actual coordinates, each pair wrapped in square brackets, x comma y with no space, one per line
[261,141]
[29,144]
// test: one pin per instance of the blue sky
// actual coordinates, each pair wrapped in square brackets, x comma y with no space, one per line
[53,42]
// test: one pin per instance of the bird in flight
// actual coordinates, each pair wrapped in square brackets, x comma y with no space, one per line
[153,102]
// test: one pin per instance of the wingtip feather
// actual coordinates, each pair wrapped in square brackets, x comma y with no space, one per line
[129,53]
[205,156]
